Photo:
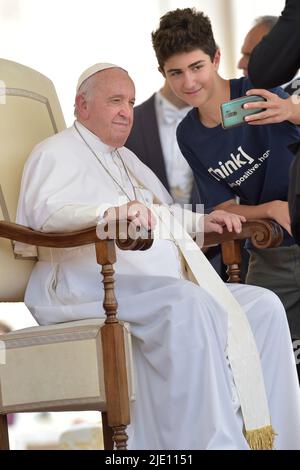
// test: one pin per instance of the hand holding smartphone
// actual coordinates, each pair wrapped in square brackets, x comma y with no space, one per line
[233,112]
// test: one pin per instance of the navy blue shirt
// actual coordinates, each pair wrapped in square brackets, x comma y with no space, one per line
[251,162]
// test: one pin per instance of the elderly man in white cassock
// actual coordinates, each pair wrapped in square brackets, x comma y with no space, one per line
[214,363]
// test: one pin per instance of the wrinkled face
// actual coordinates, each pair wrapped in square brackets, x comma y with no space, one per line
[254,36]
[192,75]
[107,110]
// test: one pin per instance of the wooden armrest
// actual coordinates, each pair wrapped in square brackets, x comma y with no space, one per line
[87,236]
[263,233]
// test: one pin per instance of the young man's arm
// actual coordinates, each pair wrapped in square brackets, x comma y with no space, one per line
[276,210]
[277,109]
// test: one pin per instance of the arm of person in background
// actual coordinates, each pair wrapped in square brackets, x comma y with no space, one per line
[276,210]
[276,59]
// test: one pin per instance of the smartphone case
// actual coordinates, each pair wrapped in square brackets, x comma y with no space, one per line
[233,113]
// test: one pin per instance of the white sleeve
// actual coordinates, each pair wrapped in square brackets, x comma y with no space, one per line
[67,219]
[74,217]
[55,193]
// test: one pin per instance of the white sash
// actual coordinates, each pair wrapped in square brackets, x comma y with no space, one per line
[241,347]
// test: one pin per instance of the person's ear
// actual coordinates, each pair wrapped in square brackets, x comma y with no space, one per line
[82,107]
[217,58]
[162,72]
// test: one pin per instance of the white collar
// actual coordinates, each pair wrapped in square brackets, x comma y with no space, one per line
[93,139]
[165,104]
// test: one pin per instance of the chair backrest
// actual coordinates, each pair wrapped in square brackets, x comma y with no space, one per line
[29,113]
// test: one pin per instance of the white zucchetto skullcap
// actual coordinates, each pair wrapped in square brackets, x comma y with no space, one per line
[94,69]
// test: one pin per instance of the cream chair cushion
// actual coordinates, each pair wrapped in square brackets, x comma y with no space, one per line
[56,367]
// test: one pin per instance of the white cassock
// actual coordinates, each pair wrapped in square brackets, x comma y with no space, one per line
[186,398]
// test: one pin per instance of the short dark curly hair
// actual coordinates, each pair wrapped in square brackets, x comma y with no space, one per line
[183,30]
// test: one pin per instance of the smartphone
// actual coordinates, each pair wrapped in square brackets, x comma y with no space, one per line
[233,112]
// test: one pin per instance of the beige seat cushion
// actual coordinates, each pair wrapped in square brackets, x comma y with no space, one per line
[57,367]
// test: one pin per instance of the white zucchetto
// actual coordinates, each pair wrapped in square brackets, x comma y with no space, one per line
[94,69]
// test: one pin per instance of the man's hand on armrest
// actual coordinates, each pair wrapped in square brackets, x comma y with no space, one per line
[133,211]
[216,220]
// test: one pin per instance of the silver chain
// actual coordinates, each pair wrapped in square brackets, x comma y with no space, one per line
[106,169]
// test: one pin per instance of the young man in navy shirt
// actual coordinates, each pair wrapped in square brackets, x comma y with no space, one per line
[251,161]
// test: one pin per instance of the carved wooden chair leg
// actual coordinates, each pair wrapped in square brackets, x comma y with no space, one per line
[114,359]
[120,437]
[116,387]
[107,433]
[4,441]
[231,255]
